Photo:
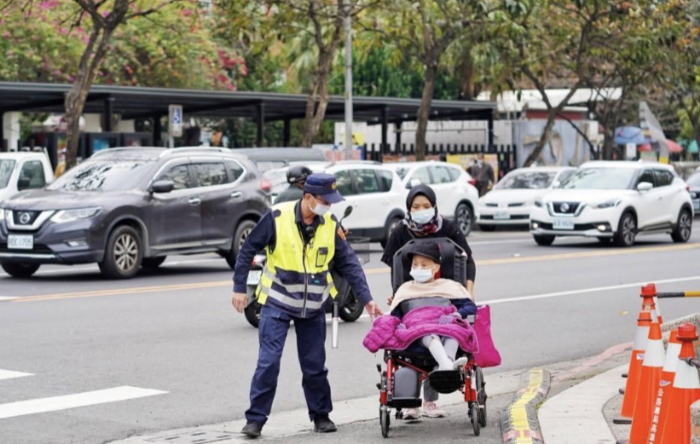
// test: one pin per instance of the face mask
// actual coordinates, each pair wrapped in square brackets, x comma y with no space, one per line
[423,216]
[320,209]
[422,275]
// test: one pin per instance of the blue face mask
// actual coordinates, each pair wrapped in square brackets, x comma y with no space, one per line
[423,216]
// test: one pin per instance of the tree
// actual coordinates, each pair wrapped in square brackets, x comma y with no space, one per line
[551,44]
[424,30]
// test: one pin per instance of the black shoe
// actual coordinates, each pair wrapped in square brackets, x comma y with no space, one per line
[252,430]
[323,424]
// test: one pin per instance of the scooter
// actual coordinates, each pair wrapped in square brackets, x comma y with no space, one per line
[348,304]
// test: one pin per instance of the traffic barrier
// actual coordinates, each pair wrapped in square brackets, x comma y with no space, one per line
[650,376]
[679,294]
[635,368]
[668,374]
[685,391]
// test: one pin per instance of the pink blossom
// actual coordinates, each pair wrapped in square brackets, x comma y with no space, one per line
[63,31]
[6,34]
[105,13]
[187,12]
[58,72]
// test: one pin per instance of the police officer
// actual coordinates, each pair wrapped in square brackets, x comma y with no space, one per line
[296,177]
[300,239]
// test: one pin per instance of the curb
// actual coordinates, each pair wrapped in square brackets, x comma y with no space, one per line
[519,424]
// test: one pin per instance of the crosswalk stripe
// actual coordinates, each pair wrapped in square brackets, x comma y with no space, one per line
[9,374]
[56,403]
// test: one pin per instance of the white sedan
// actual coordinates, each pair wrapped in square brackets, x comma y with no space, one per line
[511,200]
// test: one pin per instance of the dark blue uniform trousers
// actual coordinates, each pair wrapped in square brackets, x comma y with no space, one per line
[311,338]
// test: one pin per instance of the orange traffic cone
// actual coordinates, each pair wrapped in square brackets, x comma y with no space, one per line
[635,367]
[650,302]
[668,373]
[685,391]
[654,357]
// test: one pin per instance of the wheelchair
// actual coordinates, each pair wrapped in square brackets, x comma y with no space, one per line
[400,382]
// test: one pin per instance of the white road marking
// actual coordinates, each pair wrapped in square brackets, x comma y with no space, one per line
[9,374]
[63,270]
[7,298]
[43,405]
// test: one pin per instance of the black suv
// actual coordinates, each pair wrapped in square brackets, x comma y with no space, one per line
[126,208]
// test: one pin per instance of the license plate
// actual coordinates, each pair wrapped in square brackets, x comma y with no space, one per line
[18,242]
[563,224]
[254,277]
[501,215]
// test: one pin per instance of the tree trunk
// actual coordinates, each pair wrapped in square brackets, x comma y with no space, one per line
[77,95]
[424,109]
[544,139]
[315,113]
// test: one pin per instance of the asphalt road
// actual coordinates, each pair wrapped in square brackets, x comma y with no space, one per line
[166,350]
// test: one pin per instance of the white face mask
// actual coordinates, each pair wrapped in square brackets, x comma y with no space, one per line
[422,275]
[423,216]
[320,209]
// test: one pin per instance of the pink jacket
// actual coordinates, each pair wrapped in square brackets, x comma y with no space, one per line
[392,333]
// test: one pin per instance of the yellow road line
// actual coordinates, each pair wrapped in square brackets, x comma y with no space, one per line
[371,271]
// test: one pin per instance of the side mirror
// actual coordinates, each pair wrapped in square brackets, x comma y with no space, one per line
[162,186]
[413,183]
[23,184]
[348,211]
[644,186]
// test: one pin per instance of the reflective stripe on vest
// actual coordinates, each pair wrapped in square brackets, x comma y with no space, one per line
[296,276]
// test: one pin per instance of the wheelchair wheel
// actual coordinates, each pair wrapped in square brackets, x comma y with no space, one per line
[384,420]
[481,396]
[474,414]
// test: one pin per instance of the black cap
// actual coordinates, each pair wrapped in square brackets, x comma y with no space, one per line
[431,250]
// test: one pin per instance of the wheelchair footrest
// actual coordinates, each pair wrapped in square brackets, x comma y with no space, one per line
[445,381]
[405,403]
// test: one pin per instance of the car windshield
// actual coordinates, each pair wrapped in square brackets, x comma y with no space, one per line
[97,175]
[600,179]
[693,181]
[527,180]
[6,167]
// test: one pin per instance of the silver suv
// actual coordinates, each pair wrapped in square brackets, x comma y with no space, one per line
[127,208]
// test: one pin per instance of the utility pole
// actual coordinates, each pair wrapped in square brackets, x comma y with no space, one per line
[348,80]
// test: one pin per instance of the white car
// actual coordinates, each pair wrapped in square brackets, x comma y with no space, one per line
[375,192]
[509,203]
[21,171]
[615,201]
[456,195]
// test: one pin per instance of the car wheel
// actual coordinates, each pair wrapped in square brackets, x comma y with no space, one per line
[123,254]
[393,223]
[20,270]
[544,240]
[684,227]
[239,237]
[151,263]
[626,231]
[487,227]
[464,215]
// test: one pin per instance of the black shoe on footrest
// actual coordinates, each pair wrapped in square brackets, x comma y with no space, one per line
[252,429]
[323,424]
[445,381]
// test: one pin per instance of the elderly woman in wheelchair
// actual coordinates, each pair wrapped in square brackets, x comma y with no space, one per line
[428,335]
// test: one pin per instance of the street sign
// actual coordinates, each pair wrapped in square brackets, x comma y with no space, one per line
[175,120]
[630,150]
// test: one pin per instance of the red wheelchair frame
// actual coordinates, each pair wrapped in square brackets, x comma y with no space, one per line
[472,386]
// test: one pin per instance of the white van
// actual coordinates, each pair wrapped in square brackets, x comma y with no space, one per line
[23,171]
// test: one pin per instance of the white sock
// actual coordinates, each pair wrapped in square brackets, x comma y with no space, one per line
[436,348]
[459,363]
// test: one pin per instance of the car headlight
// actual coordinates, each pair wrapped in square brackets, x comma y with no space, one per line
[608,204]
[538,203]
[73,215]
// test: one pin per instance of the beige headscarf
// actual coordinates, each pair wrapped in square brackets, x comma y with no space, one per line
[439,288]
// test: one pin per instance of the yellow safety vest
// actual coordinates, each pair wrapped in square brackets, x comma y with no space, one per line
[296,278]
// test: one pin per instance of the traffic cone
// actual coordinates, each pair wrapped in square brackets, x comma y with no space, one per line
[654,357]
[650,302]
[685,391]
[635,367]
[662,396]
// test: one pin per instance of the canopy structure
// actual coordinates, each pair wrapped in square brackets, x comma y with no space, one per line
[152,103]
